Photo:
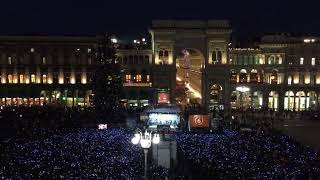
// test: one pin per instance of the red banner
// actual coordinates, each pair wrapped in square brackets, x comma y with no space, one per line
[199,120]
[163,97]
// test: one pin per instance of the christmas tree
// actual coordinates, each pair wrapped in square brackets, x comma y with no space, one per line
[107,83]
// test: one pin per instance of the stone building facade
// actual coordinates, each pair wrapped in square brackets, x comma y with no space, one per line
[281,72]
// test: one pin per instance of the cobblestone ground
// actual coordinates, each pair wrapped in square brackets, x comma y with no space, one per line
[305,131]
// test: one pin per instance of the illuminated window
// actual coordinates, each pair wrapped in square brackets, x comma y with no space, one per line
[33,78]
[44,79]
[301,61]
[306,40]
[9,60]
[89,50]
[163,56]
[89,61]
[318,78]
[138,78]
[279,59]
[307,78]
[296,78]
[272,60]
[10,78]
[21,78]
[289,80]
[148,78]
[44,60]
[128,78]
[313,61]
[32,50]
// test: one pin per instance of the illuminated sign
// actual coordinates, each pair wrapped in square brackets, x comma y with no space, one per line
[163,97]
[199,120]
[102,126]
[158,119]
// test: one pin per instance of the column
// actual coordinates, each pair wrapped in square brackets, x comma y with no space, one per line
[281,101]
[265,98]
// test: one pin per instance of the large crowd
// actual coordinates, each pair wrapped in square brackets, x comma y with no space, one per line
[246,155]
[81,154]
[51,143]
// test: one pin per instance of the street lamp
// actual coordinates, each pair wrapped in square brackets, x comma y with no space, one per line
[114,40]
[145,139]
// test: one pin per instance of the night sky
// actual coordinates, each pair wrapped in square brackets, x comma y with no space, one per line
[130,19]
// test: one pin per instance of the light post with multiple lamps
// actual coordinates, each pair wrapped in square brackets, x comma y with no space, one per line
[145,139]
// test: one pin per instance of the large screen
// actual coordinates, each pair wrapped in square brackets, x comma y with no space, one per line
[163,97]
[199,120]
[156,119]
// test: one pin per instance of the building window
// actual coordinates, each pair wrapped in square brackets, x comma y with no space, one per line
[33,78]
[148,78]
[89,50]
[10,60]
[289,80]
[243,76]
[21,78]
[138,78]
[10,78]
[163,57]
[296,78]
[279,59]
[318,78]
[32,50]
[44,60]
[289,100]
[128,78]
[89,61]
[301,61]
[307,78]
[44,79]
[271,60]
[313,61]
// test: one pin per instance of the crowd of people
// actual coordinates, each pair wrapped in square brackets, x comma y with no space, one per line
[81,154]
[23,120]
[52,144]
[245,155]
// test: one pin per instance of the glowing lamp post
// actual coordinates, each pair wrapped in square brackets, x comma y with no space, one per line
[145,139]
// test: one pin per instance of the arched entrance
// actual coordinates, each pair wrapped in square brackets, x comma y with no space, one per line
[189,63]
[204,43]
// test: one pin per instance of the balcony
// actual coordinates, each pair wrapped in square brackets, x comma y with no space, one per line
[135,84]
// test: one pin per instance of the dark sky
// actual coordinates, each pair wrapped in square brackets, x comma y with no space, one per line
[131,18]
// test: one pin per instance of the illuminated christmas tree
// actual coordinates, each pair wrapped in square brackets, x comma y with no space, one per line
[107,83]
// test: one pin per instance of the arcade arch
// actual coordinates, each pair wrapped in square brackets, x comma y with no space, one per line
[189,63]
